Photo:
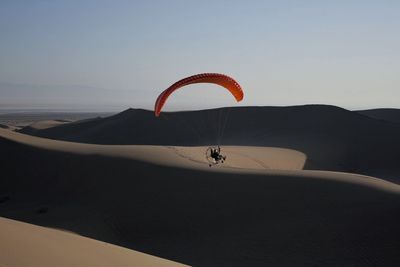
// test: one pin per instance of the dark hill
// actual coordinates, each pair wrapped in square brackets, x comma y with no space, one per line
[387,114]
[332,138]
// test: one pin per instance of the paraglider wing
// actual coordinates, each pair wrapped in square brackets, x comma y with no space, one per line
[215,78]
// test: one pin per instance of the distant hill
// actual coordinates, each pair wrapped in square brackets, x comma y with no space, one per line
[25,118]
[387,114]
[332,138]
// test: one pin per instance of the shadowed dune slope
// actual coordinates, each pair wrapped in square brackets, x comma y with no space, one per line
[213,218]
[24,244]
[332,138]
[387,114]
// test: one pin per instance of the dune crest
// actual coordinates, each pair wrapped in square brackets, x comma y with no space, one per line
[240,157]
[41,125]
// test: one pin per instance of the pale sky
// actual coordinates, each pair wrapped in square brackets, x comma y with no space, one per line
[111,55]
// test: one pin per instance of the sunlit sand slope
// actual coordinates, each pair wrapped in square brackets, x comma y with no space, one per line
[239,157]
[23,244]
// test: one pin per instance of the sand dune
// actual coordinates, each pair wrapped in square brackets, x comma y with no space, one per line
[189,157]
[332,138]
[24,244]
[387,114]
[41,125]
[197,215]
[27,117]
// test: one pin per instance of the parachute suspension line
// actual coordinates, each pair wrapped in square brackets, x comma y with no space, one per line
[209,134]
[219,126]
[216,78]
[188,126]
[164,117]
[224,124]
[180,123]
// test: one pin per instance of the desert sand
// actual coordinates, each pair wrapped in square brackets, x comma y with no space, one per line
[264,207]
[25,244]
[248,158]
[24,118]
[40,125]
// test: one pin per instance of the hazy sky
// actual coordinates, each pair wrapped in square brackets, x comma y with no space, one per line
[119,54]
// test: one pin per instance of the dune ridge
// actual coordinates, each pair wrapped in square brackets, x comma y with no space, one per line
[263,160]
[242,157]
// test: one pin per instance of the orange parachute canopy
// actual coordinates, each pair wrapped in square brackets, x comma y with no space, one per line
[216,78]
